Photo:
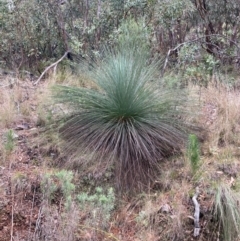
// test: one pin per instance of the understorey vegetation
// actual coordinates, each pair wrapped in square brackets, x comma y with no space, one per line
[119,120]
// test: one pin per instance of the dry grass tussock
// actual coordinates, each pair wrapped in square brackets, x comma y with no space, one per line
[8,110]
[66,77]
[47,109]
[14,104]
[221,107]
[57,224]
[158,216]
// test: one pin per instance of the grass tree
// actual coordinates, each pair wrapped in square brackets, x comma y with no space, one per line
[227,212]
[127,117]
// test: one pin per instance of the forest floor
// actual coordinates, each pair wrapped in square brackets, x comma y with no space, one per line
[165,213]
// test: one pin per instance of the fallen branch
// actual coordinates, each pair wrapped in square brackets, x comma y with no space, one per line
[49,67]
[196,213]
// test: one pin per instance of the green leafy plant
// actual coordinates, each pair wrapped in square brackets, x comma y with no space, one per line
[209,64]
[133,35]
[99,204]
[67,187]
[143,218]
[8,144]
[193,152]
[62,180]
[48,187]
[127,117]
[227,212]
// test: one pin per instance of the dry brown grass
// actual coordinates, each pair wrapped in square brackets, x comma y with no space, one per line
[8,110]
[14,104]
[57,224]
[164,215]
[68,78]
[46,107]
[15,108]
[221,115]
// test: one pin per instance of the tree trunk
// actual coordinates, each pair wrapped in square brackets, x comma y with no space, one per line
[86,15]
[98,33]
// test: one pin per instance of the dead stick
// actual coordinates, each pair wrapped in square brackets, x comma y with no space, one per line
[49,67]
[12,223]
[196,213]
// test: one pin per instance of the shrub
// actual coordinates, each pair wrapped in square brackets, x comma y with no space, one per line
[61,180]
[127,117]
[48,187]
[67,187]
[99,206]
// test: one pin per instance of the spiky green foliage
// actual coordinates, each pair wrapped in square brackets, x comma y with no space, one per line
[193,152]
[227,212]
[124,119]
[127,117]
[9,144]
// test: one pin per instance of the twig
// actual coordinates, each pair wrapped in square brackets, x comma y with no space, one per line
[12,217]
[49,67]
[38,222]
[196,213]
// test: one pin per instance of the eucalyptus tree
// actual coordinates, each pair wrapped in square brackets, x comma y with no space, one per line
[30,32]
[35,33]
[219,21]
